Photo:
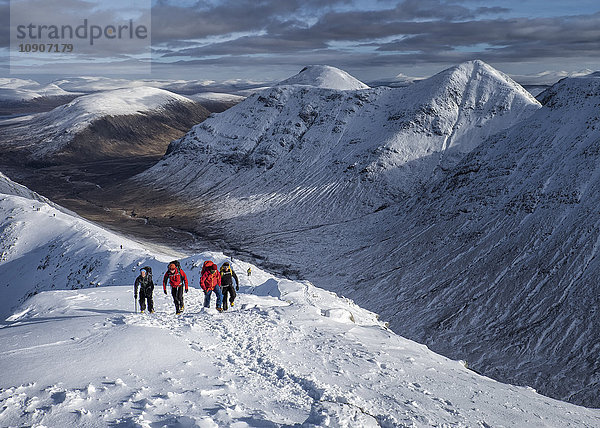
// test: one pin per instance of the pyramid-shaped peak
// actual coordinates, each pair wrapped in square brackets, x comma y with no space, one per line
[479,73]
[325,76]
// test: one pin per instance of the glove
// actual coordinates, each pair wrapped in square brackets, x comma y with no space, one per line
[135,296]
[165,292]
[186,291]
[237,288]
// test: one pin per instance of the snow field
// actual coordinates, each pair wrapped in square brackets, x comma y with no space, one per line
[274,359]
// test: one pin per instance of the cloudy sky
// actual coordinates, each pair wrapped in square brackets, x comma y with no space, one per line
[272,39]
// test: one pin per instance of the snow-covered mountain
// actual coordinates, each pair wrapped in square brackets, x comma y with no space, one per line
[488,258]
[324,76]
[74,353]
[13,89]
[336,154]
[20,96]
[498,261]
[133,121]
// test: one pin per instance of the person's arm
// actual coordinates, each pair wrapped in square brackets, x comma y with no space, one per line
[135,286]
[165,278]
[237,281]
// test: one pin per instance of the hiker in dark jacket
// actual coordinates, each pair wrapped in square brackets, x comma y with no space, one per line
[177,279]
[227,277]
[146,285]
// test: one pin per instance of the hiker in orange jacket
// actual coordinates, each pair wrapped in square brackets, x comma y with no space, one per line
[210,280]
[177,280]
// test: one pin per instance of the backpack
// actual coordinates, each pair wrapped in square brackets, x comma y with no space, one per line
[206,264]
[148,270]
[177,269]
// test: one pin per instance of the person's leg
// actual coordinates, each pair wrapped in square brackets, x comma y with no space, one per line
[180,296]
[142,301]
[219,297]
[175,299]
[225,293]
[233,294]
[150,303]
[207,298]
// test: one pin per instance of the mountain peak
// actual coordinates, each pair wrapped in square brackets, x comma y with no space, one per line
[486,78]
[324,76]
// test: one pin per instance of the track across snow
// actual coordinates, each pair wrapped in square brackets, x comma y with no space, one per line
[289,354]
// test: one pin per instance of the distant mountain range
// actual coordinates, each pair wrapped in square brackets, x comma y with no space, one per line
[137,121]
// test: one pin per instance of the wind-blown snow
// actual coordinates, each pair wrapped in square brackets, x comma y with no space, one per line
[324,76]
[287,353]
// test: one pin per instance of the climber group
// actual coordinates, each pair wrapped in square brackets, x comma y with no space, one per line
[212,279]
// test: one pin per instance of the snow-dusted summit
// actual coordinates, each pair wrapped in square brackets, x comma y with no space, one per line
[104,124]
[325,76]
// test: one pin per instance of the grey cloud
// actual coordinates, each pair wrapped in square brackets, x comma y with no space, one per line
[440,40]
[171,22]
[550,36]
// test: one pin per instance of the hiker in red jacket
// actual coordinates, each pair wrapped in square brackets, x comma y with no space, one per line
[210,280]
[177,279]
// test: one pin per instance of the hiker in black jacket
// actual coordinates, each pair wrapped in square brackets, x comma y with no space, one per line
[227,277]
[144,281]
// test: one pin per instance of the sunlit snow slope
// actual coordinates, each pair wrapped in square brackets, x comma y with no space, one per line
[286,354]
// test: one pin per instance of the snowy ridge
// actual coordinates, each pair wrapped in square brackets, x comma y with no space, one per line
[513,227]
[49,133]
[324,76]
[76,115]
[337,154]
[490,250]
[12,89]
[216,96]
[287,353]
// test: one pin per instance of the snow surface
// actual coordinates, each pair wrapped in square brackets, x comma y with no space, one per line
[216,96]
[286,354]
[324,76]
[49,132]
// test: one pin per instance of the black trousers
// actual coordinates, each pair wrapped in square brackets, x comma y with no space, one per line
[177,293]
[229,295]
[146,297]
